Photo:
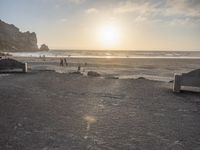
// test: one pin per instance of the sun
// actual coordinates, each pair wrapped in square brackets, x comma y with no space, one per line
[109,35]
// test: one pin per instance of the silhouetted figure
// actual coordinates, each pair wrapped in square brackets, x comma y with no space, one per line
[44,58]
[65,61]
[79,68]
[61,62]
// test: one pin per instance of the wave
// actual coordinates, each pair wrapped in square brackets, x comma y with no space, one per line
[111,54]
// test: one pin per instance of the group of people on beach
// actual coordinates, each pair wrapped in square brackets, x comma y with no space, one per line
[43,57]
[63,61]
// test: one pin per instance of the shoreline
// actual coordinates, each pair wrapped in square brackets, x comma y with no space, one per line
[109,57]
[156,69]
[113,54]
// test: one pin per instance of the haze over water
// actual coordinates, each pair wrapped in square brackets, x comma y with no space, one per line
[111,54]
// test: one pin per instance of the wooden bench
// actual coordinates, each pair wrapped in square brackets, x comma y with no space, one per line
[191,79]
[8,65]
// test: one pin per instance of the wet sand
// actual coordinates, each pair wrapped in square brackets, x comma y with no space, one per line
[154,69]
[44,110]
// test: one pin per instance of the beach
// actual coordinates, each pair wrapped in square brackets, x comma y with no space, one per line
[151,68]
[99,75]
[53,108]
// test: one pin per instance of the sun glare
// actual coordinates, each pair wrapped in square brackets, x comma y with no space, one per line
[109,35]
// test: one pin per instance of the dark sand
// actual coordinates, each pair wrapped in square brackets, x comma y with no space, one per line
[51,111]
[154,69]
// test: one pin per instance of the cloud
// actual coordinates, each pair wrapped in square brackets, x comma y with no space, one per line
[91,10]
[63,20]
[186,22]
[177,11]
[172,12]
[129,7]
[76,1]
[143,6]
[187,8]
[190,8]
[61,2]
[140,19]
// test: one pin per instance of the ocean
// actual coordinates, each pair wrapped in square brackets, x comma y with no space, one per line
[110,54]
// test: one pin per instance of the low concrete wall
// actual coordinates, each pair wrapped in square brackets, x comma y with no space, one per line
[10,64]
[191,79]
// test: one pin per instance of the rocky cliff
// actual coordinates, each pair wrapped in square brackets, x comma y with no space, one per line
[44,47]
[12,40]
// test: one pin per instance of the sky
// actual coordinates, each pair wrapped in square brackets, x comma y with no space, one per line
[108,24]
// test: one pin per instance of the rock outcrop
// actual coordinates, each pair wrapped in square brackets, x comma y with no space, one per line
[93,74]
[44,47]
[12,40]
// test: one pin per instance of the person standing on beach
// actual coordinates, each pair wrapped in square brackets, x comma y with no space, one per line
[44,58]
[79,68]
[65,60]
[61,62]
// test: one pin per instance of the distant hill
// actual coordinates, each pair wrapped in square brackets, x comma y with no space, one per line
[12,40]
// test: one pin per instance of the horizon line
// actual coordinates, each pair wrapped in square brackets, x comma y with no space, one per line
[64,49]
